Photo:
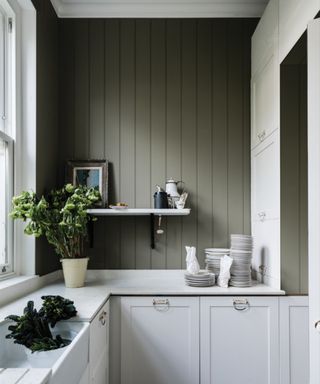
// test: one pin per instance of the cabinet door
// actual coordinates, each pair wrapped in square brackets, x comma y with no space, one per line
[264,101]
[99,347]
[265,179]
[159,340]
[239,340]
[266,262]
[294,339]
[265,37]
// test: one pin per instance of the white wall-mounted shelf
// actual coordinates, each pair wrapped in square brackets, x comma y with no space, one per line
[139,212]
[152,212]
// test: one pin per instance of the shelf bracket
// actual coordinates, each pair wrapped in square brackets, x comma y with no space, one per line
[152,230]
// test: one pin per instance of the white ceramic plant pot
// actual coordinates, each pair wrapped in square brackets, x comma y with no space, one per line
[74,271]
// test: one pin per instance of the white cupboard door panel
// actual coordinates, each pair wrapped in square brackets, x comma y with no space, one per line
[313,196]
[294,340]
[265,37]
[265,179]
[159,340]
[239,346]
[99,346]
[264,102]
[266,252]
[294,16]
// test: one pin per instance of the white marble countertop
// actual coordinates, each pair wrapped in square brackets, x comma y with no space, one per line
[101,284]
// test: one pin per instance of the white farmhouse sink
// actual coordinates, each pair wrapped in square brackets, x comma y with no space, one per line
[67,364]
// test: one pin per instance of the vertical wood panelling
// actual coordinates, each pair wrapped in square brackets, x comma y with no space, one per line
[159,99]
[142,141]
[96,89]
[158,126]
[235,127]
[96,125]
[127,138]
[67,114]
[47,119]
[112,137]
[204,139]
[81,90]
[220,133]
[173,134]
[303,265]
[189,127]
[294,201]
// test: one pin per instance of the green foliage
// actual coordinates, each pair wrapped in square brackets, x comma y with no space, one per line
[56,308]
[32,328]
[61,217]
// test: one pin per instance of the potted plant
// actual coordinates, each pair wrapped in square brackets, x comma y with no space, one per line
[61,216]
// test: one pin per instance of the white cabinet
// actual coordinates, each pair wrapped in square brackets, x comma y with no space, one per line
[294,16]
[294,340]
[265,37]
[99,347]
[266,254]
[264,104]
[265,178]
[265,90]
[239,340]
[265,209]
[159,340]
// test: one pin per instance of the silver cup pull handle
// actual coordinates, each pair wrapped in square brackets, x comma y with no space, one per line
[161,305]
[102,317]
[241,304]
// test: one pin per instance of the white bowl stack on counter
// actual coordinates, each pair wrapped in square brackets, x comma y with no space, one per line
[213,258]
[241,253]
[201,279]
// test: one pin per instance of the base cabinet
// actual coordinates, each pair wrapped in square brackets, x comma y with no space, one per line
[294,340]
[159,340]
[99,347]
[239,340]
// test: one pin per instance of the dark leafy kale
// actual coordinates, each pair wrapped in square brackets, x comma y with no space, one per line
[56,308]
[32,328]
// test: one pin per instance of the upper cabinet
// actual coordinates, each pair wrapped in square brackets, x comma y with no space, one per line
[265,76]
[265,37]
[294,16]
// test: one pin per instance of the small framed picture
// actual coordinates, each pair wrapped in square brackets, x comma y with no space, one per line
[92,173]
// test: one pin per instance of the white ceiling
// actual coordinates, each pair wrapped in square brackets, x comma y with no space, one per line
[159,8]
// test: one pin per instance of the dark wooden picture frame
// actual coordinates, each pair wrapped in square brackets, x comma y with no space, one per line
[92,173]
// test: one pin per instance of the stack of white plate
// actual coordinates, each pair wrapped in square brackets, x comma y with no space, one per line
[241,252]
[201,279]
[213,257]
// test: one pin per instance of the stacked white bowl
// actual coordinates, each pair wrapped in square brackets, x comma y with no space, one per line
[241,252]
[213,257]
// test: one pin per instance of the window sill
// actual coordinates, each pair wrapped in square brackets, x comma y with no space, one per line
[17,286]
[11,288]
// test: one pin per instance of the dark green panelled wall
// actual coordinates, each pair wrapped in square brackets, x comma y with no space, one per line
[159,99]
[47,117]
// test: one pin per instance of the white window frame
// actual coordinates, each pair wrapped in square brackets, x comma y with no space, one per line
[8,131]
[23,143]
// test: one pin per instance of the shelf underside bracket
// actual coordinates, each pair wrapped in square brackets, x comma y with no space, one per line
[152,231]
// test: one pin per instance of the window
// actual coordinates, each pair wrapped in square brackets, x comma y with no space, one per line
[7,133]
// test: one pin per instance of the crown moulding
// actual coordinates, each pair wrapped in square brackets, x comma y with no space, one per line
[158,8]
